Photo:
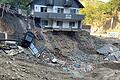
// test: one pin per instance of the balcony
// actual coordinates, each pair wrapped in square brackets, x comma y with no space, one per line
[41,15]
[59,16]
[66,16]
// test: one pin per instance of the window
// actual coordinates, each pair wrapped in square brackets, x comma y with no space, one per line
[73,11]
[71,24]
[44,22]
[43,9]
[36,8]
[28,38]
[60,10]
[59,23]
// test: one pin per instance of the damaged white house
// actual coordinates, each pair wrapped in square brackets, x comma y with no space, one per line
[60,15]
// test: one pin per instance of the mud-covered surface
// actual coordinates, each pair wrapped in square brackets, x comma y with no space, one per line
[11,69]
[74,54]
[105,71]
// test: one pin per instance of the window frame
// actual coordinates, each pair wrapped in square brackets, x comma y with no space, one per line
[43,22]
[72,24]
[73,12]
[43,9]
[60,10]
[59,23]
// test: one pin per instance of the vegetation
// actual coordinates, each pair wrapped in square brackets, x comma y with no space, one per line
[17,3]
[97,13]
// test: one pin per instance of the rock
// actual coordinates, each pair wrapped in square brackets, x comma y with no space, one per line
[77,65]
[54,60]
[115,56]
[66,69]
[88,68]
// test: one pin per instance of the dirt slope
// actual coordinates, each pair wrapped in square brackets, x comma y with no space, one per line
[105,71]
[11,69]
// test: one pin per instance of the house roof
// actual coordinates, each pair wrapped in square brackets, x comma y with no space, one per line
[80,5]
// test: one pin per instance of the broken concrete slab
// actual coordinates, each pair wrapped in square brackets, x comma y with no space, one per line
[111,58]
[115,56]
[107,49]
[14,51]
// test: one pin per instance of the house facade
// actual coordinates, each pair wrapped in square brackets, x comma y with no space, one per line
[61,15]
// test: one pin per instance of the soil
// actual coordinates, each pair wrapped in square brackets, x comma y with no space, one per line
[75,49]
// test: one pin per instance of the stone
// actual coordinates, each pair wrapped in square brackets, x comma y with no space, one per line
[77,65]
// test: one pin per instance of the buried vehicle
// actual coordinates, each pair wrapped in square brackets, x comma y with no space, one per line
[27,40]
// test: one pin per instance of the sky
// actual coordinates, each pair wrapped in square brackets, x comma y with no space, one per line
[104,1]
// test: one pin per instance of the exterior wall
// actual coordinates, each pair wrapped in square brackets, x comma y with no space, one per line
[65,25]
[76,25]
[50,9]
[77,10]
[56,3]
[50,23]
[37,8]
[67,10]
[53,24]
[52,15]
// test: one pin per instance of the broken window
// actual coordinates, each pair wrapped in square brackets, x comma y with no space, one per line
[71,24]
[59,23]
[60,10]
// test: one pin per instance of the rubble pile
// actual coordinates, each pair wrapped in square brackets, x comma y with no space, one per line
[13,25]
[80,56]
[110,52]
[85,42]
[71,52]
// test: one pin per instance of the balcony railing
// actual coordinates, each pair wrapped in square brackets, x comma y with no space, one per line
[59,16]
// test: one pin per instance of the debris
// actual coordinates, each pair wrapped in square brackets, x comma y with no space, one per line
[77,65]
[66,69]
[54,60]
[88,68]
[115,56]
[14,51]
[107,49]
[33,49]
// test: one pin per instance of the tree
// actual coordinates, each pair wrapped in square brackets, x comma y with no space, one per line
[97,13]
[17,3]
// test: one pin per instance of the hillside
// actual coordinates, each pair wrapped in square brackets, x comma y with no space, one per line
[103,17]
[59,55]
